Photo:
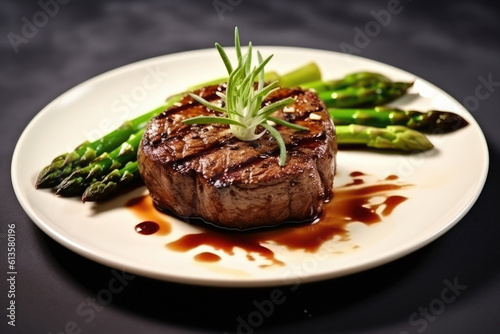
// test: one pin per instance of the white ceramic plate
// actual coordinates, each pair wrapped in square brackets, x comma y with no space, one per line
[447,180]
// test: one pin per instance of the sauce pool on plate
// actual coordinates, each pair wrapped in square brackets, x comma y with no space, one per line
[353,202]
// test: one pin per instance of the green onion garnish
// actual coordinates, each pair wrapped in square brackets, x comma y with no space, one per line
[243,101]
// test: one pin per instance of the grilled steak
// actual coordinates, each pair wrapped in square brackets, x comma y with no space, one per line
[204,171]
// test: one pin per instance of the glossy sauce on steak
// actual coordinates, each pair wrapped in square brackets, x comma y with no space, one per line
[204,171]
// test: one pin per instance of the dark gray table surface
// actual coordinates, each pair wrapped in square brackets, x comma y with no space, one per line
[453,44]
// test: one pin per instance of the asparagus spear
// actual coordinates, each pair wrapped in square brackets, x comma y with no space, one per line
[432,121]
[50,175]
[391,137]
[80,179]
[115,180]
[359,79]
[357,89]
[374,94]
[307,73]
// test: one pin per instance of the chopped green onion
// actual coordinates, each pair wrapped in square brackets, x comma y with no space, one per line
[243,109]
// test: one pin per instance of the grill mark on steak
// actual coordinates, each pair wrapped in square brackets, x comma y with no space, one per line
[180,165]
[210,148]
[186,133]
[218,179]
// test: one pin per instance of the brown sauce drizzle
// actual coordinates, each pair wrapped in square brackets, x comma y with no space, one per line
[352,202]
[225,241]
[147,227]
[207,257]
[143,208]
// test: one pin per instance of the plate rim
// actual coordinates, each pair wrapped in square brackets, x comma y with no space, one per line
[230,282]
